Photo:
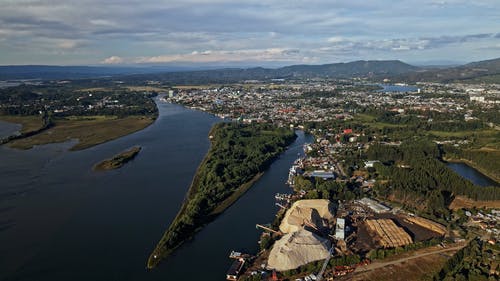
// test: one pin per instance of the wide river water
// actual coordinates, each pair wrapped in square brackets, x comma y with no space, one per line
[8,129]
[59,220]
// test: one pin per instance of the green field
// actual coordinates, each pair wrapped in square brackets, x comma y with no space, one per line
[369,120]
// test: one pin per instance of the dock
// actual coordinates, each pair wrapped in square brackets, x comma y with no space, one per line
[235,269]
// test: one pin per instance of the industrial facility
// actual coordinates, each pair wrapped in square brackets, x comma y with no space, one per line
[317,230]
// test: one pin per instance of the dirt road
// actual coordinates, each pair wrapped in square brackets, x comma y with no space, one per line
[377,265]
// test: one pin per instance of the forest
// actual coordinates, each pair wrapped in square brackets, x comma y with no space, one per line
[238,154]
[328,189]
[419,179]
[429,121]
[477,261]
[485,160]
[69,100]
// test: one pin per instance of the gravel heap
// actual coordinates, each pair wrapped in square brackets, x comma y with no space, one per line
[296,249]
[311,211]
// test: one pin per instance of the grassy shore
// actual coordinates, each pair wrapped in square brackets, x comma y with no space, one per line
[88,131]
[28,123]
[118,160]
[155,257]
[160,250]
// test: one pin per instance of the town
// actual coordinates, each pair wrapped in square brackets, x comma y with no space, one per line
[372,190]
[298,104]
[336,221]
[250,140]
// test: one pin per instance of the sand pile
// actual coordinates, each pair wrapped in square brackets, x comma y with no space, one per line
[296,249]
[312,211]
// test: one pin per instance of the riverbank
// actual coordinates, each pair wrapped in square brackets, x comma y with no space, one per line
[473,165]
[89,131]
[28,123]
[31,128]
[238,155]
[60,186]
[118,160]
[237,194]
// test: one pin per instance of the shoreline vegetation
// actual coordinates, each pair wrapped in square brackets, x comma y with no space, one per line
[30,126]
[75,110]
[88,130]
[238,156]
[28,123]
[484,158]
[475,166]
[426,184]
[118,160]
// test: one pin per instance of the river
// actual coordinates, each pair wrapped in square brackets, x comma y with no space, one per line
[59,220]
[471,174]
[8,129]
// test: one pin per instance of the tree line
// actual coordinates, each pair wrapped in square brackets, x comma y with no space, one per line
[237,154]
[47,123]
[473,262]
[69,100]
[419,179]
[487,160]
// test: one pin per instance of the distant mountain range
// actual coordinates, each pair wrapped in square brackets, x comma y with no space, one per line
[49,72]
[335,70]
[483,71]
[348,70]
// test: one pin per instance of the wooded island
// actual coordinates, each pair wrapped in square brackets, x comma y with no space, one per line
[237,156]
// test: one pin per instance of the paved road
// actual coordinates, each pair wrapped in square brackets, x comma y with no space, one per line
[339,167]
[377,265]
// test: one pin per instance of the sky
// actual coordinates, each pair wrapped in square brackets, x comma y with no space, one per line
[246,33]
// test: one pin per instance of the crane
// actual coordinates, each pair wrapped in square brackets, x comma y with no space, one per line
[268,229]
[307,222]
[281,206]
[325,263]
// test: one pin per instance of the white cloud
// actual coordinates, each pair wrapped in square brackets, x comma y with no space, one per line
[213,56]
[401,48]
[113,60]
[68,44]
[403,44]
[102,22]
[335,40]
[142,29]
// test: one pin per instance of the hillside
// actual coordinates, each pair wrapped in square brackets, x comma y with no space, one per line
[349,70]
[225,75]
[231,75]
[487,71]
[482,71]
